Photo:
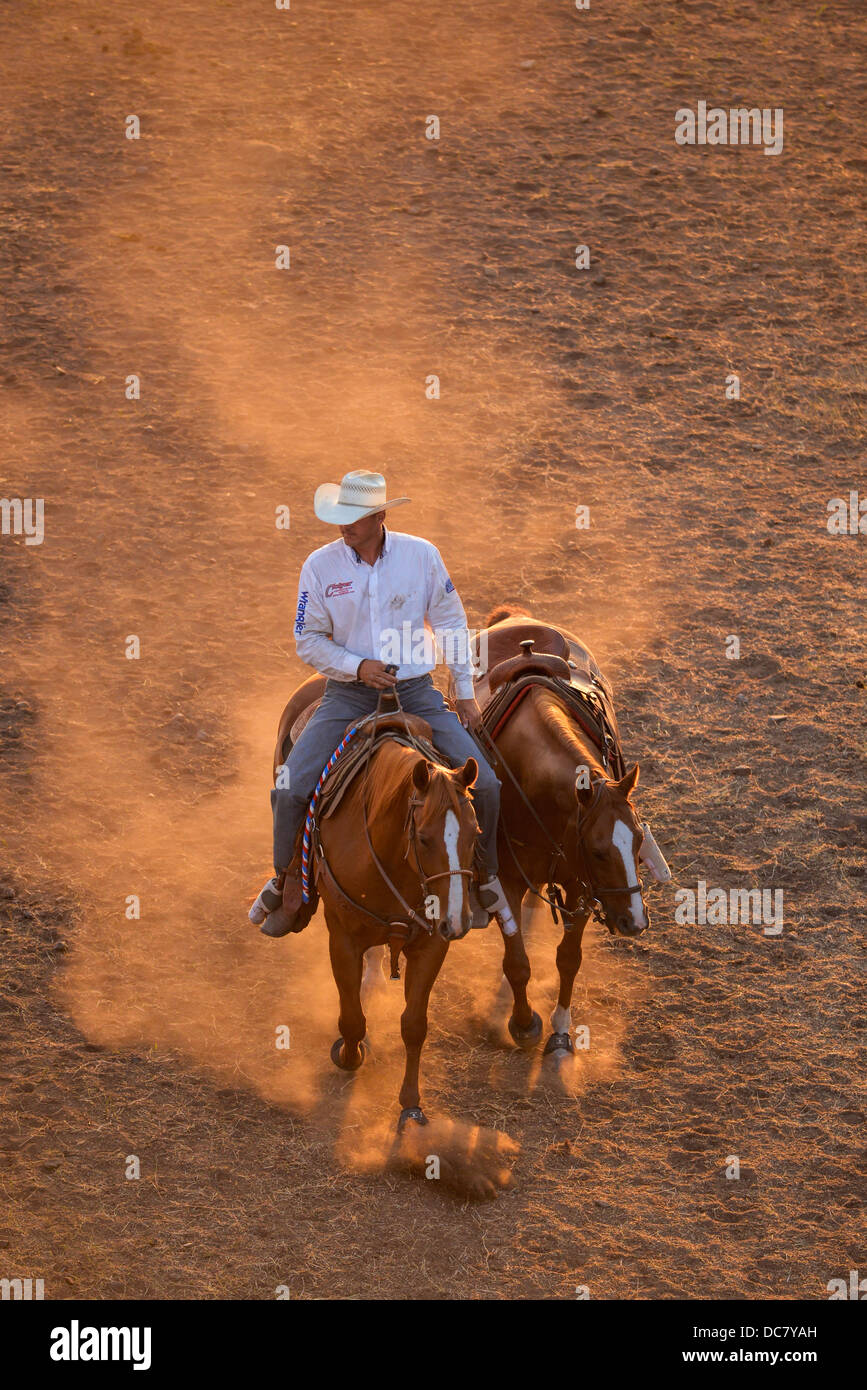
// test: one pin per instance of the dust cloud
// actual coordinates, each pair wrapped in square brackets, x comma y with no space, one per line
[150,778]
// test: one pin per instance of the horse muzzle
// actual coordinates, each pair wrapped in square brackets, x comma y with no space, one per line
[624,925]
[451,932]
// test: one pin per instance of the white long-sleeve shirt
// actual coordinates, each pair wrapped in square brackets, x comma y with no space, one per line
[349,611]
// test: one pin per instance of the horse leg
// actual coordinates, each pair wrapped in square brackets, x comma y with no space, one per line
[422,967]
[374,967]
[568,964]
[346,965]
[525,1025]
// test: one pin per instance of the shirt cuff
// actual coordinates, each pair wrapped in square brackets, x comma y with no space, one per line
[350,664]
[464,688]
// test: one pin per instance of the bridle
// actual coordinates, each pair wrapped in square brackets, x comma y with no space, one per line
[590,894]
[405,930]
[411,826]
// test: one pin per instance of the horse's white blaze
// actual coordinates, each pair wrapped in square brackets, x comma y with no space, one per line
[561,1020]
[456,893]
[622,841]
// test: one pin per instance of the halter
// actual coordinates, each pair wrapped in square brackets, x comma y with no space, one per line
[410,825]
[590,896]
[592,893]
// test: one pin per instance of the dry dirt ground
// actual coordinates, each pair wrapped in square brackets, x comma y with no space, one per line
[559,388]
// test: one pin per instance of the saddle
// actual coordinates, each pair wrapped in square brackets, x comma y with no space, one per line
[302,721]
[587,697]
[534,663]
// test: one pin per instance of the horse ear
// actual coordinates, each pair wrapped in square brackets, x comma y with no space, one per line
[626,786]
[467,774]
[421,775]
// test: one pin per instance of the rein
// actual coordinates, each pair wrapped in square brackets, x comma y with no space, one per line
[555,901]
[415,921]
[401,931]
[590,894]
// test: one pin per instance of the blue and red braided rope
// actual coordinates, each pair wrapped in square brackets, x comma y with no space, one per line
[311,813]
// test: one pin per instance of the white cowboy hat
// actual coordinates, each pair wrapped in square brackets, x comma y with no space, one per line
[360,494]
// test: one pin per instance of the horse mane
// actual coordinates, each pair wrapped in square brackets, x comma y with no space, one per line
[388,775]
[504,611]
[556,719]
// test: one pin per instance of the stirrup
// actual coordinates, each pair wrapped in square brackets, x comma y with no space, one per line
[282,921]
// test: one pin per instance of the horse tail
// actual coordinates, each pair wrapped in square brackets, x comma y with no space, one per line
[505,610]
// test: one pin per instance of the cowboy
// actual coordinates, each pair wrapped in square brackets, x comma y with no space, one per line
[353,596]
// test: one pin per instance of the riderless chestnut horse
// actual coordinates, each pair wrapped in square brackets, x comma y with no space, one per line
[390,842]
[569,832]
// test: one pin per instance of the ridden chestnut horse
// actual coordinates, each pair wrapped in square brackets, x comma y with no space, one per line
[397,856]
[567,822]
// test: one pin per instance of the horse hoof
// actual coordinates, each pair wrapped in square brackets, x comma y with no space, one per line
[526,1037]
[414,1112]
[335,1055]
[559,1043]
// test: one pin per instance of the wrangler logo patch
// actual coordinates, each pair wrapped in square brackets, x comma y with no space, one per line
[302,609]
[345,586]
[449,586]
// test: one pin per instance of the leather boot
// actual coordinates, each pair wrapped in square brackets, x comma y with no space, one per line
[294,913]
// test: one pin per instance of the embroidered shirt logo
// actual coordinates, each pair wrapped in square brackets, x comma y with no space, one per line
[449,587]
[345,586]
[302,609]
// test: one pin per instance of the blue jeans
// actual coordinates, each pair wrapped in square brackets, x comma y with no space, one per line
[343,703]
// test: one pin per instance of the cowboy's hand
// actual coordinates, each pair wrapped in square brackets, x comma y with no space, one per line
[469,713]
[374,674]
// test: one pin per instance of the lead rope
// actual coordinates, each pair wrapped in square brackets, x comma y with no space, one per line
[555,901]
[590,897]
[482,736]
